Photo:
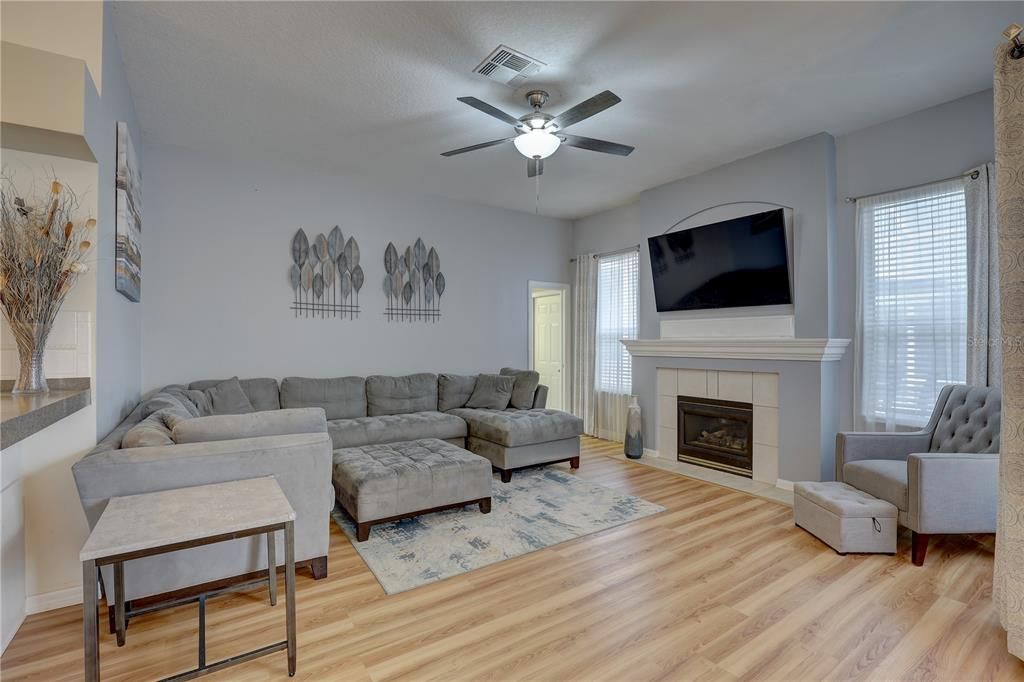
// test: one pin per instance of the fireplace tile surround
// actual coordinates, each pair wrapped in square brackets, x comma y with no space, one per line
[759,388]
[796,384]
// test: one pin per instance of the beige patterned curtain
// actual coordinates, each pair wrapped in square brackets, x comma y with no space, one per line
[1009,114]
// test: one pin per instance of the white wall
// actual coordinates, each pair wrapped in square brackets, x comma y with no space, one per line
[217,256]
[67,28]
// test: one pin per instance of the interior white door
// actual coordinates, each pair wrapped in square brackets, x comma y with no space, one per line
[548,345]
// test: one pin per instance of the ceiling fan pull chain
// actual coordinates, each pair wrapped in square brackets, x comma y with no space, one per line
[536,208]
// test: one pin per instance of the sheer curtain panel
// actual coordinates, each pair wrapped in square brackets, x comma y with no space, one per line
[584,337]
[617,282]
[912,303]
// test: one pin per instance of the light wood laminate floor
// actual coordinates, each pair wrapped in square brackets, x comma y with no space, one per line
[721,586]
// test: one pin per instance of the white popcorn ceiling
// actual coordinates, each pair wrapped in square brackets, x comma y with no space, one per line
[369,89]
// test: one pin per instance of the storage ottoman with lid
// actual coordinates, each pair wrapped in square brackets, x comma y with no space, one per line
[846,519]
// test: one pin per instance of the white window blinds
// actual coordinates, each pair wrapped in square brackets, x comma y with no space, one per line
[617,281]
[912,289]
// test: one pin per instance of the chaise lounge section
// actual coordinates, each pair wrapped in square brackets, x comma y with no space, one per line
[517,439]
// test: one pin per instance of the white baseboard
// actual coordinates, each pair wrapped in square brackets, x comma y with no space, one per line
[650,453]
[784,484]
[8,635]
[37,603]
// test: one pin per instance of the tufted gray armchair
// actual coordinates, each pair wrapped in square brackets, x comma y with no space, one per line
[943,478]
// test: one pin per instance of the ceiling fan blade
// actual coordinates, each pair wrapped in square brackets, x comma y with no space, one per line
[585,109]
[534,167]
[490,111]
[596,145]
[473,148]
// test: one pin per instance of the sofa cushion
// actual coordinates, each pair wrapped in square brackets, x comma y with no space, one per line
[453,390]
[401,395]
[527,381]
[512,428]
[969,421]
[227,397]
[885,479]
[340,397]
[394,428]
[252,425]
[492,391]
[263,393]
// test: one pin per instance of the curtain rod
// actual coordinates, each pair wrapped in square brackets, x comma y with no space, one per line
[973,175]
[612,253]
[1013,33]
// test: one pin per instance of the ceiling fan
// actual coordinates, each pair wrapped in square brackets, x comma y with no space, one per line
[539,134]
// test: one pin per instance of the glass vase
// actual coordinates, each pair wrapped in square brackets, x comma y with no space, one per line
[634,442]
[31,339]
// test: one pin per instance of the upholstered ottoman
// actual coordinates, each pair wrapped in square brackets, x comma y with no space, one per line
[844,518]
[381,483]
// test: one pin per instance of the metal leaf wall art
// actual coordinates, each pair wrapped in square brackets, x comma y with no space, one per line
[325,276]
[413,284]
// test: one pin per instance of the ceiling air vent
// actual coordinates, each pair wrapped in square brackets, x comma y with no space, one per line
[508,66]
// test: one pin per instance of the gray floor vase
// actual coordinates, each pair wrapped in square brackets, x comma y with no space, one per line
[539,508]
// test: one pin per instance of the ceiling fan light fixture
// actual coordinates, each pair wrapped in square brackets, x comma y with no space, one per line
[537,144]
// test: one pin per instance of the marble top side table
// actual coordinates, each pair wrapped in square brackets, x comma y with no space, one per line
[156,523]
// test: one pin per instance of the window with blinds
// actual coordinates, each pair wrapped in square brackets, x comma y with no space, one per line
[912,332]
[617,282]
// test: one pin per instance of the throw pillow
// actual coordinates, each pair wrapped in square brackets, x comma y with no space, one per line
[492,391]
[527,381]
[195,402]
[228,397]
[231,426]
[454,390]
[164,399]
[155,429]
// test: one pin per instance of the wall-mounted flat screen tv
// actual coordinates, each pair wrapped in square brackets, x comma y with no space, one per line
[735,263]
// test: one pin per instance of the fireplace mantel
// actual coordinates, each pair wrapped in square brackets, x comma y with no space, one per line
[804,350]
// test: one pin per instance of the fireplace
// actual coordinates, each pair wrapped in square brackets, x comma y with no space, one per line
[716,433]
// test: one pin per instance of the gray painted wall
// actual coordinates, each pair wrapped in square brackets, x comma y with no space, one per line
[813,176]
[118,371]
[795,175]
[926,146]
[217,294]
[799,175]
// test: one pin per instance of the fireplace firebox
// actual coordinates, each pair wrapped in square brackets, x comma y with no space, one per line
[716,433]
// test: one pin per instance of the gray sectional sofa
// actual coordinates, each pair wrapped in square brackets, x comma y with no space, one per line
[179,437]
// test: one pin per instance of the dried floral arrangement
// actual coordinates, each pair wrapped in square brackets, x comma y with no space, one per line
[42,253]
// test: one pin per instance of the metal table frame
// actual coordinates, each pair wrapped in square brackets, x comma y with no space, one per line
[90,601]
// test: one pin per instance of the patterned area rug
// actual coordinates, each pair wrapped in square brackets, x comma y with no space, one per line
[539,508]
